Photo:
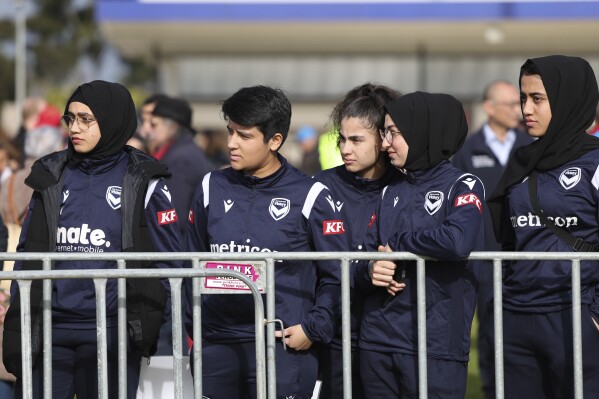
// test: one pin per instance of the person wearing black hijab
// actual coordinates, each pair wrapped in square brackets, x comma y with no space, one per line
[548,200]
[98,195]
[436,212]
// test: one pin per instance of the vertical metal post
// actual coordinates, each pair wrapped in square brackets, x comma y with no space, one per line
[176,284]
[197,331]
[26,368]
[47,330]
[498,328]
[122,330]
[577,329]
[346,328]
[271,360]
[100,285]
[260,345]
[421,301]
[20,57]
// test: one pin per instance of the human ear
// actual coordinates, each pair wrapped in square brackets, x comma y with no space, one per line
[275,142]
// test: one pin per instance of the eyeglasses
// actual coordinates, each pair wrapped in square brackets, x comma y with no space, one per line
[388,135]
[83,121]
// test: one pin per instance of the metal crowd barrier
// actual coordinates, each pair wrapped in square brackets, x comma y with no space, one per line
[266,381]
[100,277]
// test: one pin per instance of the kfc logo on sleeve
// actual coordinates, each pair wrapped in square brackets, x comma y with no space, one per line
[468,199]
[191,217]
[330,227]
[167,217]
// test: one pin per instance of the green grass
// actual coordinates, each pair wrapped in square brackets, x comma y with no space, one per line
[474,388]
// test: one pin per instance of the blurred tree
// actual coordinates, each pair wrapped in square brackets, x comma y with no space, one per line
[7,79]
[7,65]
[59,34]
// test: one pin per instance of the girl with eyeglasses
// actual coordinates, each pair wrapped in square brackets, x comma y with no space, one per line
[98,195]
[356,185]
[434,211]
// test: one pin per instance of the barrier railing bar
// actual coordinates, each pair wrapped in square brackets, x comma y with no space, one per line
[346,328]
[100,285]
[421,312]
[577,329]
[197,331]
[24,280]
[498,328]
[154,256]
[122,330]
[270,330]
[47,330]
[25,292]
[176,302]
[261,380]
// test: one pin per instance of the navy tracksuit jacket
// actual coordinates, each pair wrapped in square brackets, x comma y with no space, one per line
[357,199]
[569,196]
[90,221]
[284,212]
[435,213]
[537,294]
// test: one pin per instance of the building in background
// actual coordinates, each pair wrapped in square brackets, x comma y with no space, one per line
[206,50]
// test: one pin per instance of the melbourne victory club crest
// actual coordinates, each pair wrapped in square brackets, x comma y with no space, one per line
[279,208]
[113,197]
[433,201]
[570,177]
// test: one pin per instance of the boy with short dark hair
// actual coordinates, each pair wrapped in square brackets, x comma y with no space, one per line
[263,204]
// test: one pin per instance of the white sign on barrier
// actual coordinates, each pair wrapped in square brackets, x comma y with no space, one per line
[256,271]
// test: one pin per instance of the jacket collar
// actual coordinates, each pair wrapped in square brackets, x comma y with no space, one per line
[264,182]
[47,170]
[98,166]
[436,172]
[363,184]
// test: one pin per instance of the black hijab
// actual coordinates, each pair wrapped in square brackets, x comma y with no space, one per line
[573,95]
[113,108]
[433,125]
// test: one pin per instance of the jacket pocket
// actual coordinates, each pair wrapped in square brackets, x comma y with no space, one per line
[146,302]
[12,338]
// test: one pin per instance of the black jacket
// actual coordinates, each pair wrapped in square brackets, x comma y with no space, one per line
[146,298]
